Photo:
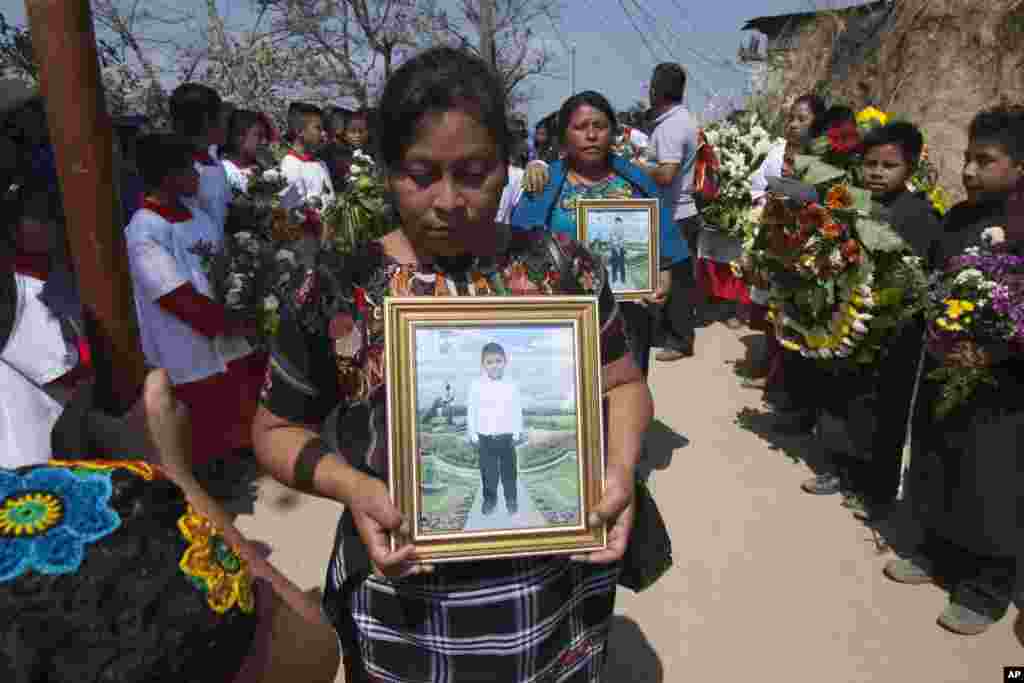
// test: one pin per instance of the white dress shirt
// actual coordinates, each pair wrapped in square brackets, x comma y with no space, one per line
[495,407]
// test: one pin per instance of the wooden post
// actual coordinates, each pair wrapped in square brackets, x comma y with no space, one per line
[64,43]
[487,19]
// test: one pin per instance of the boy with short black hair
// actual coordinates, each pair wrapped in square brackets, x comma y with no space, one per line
[892,153]
[182,328]
[357,130]
[195,112]
[972,533]
[495,424]
[307,175]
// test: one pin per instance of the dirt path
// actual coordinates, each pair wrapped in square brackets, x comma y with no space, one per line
[769,584]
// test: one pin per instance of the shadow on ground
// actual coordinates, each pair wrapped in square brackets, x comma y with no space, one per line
[660,443]
[234,483]
[631,657]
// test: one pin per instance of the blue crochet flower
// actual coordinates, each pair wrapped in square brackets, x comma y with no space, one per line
[48,515]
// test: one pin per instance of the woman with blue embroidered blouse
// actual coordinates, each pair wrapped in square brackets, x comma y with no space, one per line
[587,128]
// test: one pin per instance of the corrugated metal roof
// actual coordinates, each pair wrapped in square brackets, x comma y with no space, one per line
[775,24]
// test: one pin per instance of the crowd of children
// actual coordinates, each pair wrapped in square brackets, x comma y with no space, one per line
[972,516]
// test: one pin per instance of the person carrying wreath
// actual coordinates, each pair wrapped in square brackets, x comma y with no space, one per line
[445,158]
[587,128]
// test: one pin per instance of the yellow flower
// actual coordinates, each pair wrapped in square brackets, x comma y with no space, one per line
[214,566]
[30,514]
[872,116]
[939,199]
[957,307]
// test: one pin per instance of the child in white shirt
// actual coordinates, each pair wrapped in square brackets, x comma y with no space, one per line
[308,176]
[495,425]
[200,344]
[196,114]
[248,133]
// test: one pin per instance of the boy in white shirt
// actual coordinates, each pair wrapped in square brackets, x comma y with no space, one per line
[308,177]
[196,114]
[495,425]
[183,329]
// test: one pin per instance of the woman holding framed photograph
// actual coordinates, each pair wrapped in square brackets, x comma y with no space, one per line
[445,157]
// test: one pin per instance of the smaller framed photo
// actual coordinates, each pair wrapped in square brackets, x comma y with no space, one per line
[495,424]
[625,234]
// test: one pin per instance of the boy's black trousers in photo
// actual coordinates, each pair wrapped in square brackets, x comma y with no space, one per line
[498,460]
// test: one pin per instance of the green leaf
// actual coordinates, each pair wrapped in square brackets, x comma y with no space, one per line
[861,199]
[877,235]
[817,172]
[889,297]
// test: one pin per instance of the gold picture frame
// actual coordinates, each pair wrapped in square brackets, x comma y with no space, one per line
[463,375]
[632,263]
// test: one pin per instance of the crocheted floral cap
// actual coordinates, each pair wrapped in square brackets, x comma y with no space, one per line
[49,515]
[107,573]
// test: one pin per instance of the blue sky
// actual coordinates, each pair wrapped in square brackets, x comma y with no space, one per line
[611,56]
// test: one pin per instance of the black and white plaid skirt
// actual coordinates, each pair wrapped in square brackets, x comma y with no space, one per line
[515,621]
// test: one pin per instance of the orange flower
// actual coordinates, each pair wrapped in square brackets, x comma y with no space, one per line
[832,230]
[839,197]
[814,217]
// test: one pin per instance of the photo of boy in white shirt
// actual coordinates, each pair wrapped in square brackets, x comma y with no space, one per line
[495,425]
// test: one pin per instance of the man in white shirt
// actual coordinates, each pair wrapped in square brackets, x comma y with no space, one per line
[495,425]
[672,154]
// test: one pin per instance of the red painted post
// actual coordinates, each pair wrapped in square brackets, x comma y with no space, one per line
[64,43]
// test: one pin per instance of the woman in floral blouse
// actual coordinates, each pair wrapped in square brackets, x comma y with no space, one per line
[398,620]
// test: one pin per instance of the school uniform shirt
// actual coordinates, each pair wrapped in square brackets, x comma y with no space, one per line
[308,176]
[37,347]
[495,407]
[771,167]
[214,194]
[675,142]
[35,354]
[238,177]
[159,241]
[511,195]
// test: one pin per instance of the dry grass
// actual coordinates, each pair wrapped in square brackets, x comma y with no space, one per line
[939,63]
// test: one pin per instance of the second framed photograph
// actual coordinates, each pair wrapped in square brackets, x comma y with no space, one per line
[624,233]
[495,419]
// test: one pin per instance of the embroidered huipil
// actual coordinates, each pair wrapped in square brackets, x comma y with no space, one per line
[539,619]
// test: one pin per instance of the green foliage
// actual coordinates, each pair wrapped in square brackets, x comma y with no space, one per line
[958,386]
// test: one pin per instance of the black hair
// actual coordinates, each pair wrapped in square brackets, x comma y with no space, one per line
[129,614]
[837,115]
[818,109]
[669,81]
[586,98]
[241,121]
[362,113]
[338,159]
[193,107]
[492,349]
[435,81]
[904,135]
[160,155]
[1003,126]
[335,119]
[298,113]
[520,154]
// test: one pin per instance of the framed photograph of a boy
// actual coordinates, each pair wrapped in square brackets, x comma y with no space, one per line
[624,233]
[495,424]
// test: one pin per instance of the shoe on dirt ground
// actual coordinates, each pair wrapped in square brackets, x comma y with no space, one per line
[964,620]
[913,571]
[822,485]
